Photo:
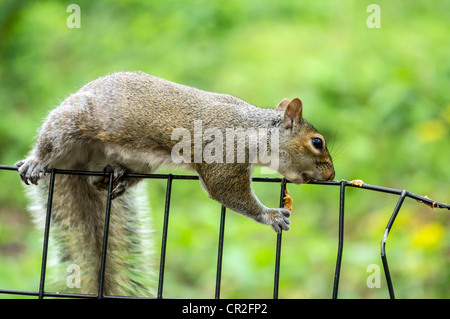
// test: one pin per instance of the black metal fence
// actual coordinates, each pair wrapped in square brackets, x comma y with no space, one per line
[41,293]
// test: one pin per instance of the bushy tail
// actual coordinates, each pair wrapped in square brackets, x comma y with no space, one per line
[76,238]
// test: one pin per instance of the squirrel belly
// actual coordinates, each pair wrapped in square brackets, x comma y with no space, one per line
[135,122]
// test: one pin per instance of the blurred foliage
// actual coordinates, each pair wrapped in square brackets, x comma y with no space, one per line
[379,95]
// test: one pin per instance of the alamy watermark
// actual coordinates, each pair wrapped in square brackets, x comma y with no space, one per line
[74,19]
[230,145]
[374,279]
[73,279]
[374,19]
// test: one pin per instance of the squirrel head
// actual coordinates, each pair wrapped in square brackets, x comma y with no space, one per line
[303,151]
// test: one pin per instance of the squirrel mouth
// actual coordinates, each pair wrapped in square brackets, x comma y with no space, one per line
[296,180]
[306,178]
[303,178]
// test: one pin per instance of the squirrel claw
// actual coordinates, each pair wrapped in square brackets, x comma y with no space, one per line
[119,184]
[30,171]
[119,189]
[278,218]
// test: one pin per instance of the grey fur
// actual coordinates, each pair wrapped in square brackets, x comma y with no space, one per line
[125,121]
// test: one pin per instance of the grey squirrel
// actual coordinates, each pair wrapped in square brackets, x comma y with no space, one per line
[125,122]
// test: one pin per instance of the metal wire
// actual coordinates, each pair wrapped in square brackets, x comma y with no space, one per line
[220,252]
[41,293]
[337,273]
[46,234]
[276,281]
[383,244]
[105,237]
[164,237]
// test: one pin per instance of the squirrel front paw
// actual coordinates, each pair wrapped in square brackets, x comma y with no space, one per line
[30,170]
[278,218]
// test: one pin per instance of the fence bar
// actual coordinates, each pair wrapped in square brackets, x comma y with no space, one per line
[220,252]
[105,237]
[46,233]
[337,273]
[41,293]
[164,237]
[276,281]
[383,244]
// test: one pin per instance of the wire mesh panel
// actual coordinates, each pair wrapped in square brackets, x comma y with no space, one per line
[170,178]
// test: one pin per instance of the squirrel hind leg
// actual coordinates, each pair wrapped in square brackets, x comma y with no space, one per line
[120,183]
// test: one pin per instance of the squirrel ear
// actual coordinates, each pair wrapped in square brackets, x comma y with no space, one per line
[292,113]
[282,105]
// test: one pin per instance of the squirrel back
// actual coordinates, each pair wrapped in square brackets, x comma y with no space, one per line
[134,122]
[153,106]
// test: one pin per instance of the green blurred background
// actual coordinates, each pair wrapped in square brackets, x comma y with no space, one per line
[379,95]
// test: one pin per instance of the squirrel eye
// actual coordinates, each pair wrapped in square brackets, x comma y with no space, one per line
[317,143]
